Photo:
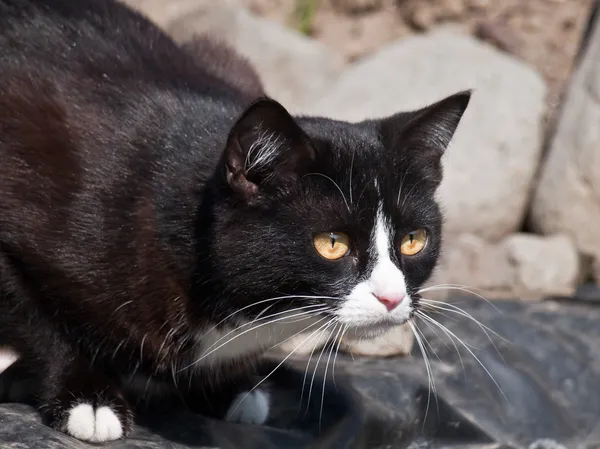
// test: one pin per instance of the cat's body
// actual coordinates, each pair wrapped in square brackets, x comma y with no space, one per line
[146,212]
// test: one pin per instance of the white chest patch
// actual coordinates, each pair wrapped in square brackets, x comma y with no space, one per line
[226,344]
[7,358]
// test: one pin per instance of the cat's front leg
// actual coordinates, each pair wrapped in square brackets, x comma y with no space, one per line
[85,404]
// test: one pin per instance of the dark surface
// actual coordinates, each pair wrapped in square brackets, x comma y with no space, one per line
[547,371]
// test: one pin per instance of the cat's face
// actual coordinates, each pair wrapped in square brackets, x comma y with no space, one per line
[333,219]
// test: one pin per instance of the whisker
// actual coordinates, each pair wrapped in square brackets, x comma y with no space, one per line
[313,306]
[408,195]
[441,326]
[285,312]
[315,370]
[126,303]
[430,381]
[462,288]
[337,350]
[453,343]
[351,167]
[325,374]
[250,330]
[278,365]
[435,305]
[402,183]
[426,342]
[278,298]
[448,307]
[334,183]
[306,374]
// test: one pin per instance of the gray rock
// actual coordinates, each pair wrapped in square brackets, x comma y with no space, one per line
[472,263]
[491,162]
[293,68]
[523,266]
[543,265]
[567,197]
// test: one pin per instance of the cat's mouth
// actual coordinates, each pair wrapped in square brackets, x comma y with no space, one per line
[361,330]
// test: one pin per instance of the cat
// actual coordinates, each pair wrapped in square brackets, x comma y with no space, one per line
[163,221]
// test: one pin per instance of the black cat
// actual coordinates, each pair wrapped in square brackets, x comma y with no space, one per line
[162,222]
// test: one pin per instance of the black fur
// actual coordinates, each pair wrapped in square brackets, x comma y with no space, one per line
[132,216]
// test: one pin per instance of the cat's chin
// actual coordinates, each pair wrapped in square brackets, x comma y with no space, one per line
[368,332]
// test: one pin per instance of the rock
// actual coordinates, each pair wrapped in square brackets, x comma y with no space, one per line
[544,266]
[451,9]
[293,68]
[498,35]
[422,14]
[524,266]
[478,4]
[492,159]
[567,196]
[472,263]
[421,18]
[356,6]
[163,13]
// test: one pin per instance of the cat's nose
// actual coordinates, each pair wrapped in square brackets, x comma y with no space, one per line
[390,301]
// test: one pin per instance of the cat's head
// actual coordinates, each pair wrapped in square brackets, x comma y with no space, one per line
[331,218]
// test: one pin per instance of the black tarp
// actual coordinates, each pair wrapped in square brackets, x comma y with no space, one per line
[545,394]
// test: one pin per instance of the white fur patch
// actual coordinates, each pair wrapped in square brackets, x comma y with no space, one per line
[361,307]
[218,345]
[98,426]
[249,408]
[7,358]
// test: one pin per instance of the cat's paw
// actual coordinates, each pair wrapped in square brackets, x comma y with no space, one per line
[249,408]
[98,425]
[95,423]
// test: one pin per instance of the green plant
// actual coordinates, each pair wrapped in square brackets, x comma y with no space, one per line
[305,15]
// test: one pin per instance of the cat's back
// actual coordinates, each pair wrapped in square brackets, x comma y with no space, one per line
[91,94]
[100,39]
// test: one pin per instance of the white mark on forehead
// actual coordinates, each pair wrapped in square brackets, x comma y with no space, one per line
[386,279]
[376,183]
[381,235]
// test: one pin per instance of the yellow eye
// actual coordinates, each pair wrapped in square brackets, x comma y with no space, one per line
[413,242]
[332,245]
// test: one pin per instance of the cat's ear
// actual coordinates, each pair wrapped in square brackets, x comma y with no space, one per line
[427,131]
[266,150]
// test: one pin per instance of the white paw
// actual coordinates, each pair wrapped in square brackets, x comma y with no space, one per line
[249,408]
[98,426]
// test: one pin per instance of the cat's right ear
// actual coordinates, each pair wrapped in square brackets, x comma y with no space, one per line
[266,150]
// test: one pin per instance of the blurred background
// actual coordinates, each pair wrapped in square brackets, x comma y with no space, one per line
[522,184]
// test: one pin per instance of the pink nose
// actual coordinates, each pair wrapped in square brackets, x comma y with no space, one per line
[390,301]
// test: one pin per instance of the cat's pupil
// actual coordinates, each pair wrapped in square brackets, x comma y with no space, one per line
[333,239]
[411,237]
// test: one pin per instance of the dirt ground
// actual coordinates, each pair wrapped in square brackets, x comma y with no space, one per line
[544,33]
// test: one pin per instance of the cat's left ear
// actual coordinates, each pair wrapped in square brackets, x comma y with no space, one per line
[426,132]
[266,150]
